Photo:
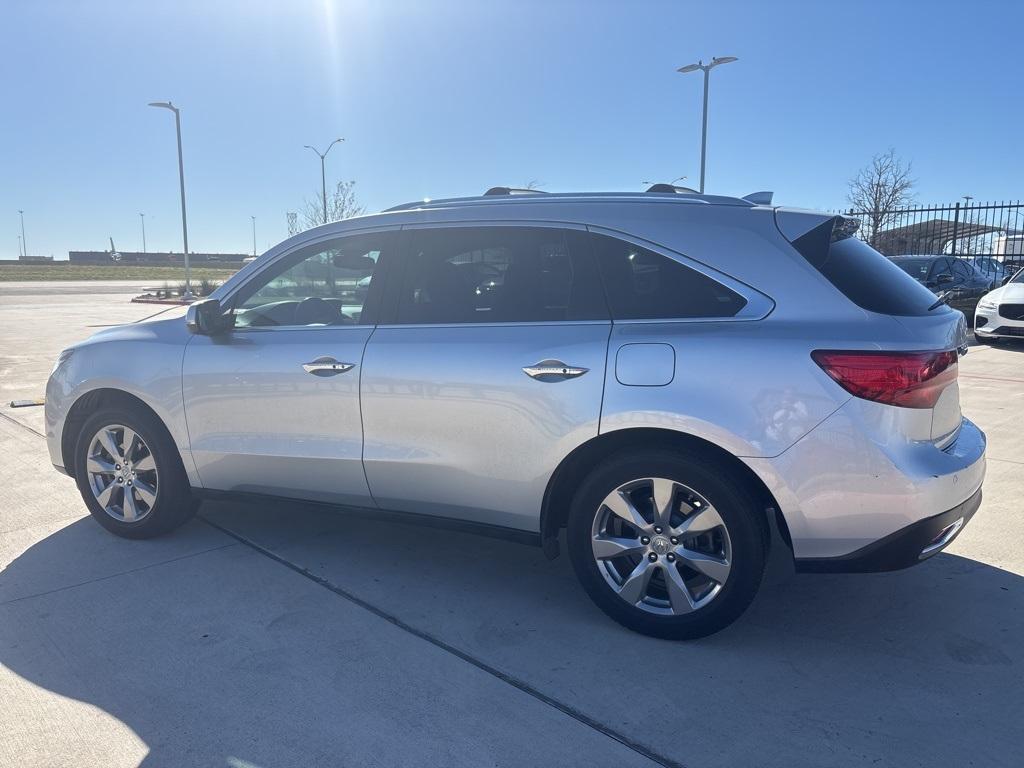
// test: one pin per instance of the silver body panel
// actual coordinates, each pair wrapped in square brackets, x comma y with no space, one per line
[259,422]
[442,420]
[454,427]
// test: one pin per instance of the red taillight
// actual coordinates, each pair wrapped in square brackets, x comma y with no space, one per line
[906,379]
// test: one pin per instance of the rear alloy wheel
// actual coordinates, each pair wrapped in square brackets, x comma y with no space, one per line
[130,474]
[667,544]
[672,561]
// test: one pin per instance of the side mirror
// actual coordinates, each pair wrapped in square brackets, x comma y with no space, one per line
[944,279]
[208,318]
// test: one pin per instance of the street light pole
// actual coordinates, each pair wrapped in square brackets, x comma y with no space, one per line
[253,235]
[142,217]
[24,242]
[20,252]
[323,172]
[181,182]
[704,129]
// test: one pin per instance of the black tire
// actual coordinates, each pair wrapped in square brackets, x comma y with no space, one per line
[174,503]
[729,495]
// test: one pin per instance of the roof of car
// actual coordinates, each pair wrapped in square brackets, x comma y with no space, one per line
[528,197]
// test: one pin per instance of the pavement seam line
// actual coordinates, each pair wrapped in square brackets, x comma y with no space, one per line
[13,420]
[115,575]
[437,642]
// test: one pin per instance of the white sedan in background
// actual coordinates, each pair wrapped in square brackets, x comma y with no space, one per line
[1000,313]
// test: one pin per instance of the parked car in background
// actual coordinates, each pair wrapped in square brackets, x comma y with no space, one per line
[956,279]
[990,268]
[1000,314]
[657,379]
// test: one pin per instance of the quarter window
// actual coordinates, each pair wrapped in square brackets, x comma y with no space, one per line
[499,275]
[325,284]
[644,285]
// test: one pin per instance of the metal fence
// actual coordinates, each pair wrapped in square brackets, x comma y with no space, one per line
[969,230]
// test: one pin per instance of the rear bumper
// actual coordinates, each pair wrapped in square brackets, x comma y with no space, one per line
[902,549]
[854,481]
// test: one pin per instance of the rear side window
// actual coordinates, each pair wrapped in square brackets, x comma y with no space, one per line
[644,285]
[499,275]
[863,275]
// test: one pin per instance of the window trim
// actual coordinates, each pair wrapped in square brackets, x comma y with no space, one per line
[373,307]
[388,307]
[758,305]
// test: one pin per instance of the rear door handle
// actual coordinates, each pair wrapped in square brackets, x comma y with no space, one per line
[553,370]
[327,366]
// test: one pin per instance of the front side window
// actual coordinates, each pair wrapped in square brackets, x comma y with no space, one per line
[325,284]
[644,285]
[498,275]
[941,267]
[962,272]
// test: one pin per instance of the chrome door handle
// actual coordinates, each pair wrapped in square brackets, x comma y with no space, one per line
[327,366]
[553,370]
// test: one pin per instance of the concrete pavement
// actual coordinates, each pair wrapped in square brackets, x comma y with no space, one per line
[286,635]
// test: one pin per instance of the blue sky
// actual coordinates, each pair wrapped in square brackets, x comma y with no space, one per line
[450,97]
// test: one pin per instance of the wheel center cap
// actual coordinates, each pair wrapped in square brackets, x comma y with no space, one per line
[660,545]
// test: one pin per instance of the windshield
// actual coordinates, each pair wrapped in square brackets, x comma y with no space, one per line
[1019,277]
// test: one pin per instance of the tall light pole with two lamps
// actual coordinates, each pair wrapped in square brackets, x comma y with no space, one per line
[323,172]
[187,296]
[706,68]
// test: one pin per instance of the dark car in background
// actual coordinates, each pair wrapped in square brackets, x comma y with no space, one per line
[959,280]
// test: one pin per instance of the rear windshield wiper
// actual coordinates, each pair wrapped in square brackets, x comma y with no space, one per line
[943,299]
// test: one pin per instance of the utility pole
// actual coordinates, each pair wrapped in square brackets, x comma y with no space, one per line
[253,235]
[704,129]
[323,172]
[181,182]
[24,242]
[142,216]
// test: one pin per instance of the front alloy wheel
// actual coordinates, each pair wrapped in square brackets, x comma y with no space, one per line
[130,474]
[122,473]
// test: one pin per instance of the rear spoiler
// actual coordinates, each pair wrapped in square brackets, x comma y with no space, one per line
[812,234]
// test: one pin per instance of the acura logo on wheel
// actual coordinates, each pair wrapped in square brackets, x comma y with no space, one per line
[660,545]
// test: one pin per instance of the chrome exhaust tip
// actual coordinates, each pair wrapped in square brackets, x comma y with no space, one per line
[945,536]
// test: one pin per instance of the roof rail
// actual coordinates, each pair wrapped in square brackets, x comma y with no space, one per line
[672,188]
[512,191]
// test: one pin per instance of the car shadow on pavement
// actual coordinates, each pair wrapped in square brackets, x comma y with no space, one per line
[203,658]
[854,669]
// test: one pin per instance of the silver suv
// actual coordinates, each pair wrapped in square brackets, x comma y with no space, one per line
[667,377]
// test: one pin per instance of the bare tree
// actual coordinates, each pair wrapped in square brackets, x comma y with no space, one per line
[341,204]
[879,189]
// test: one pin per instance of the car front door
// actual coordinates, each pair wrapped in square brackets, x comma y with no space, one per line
[486,371]
[273,405]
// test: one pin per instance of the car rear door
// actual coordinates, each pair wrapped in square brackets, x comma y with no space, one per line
[487,370]
[273,406]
